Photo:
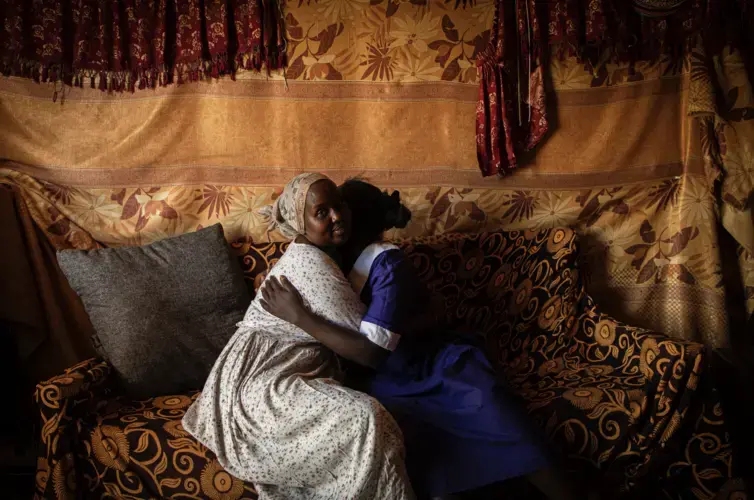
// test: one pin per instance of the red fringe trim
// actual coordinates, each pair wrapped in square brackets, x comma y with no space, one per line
[121,81]
[270,55]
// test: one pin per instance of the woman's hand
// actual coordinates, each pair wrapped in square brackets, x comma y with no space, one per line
[281,299]
[259,279]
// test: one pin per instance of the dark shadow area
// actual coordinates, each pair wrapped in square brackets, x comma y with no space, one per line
[733,368]
[735,302]
[735,387]
[18,426]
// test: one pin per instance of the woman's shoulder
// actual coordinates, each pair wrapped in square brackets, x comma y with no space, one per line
[296,250]
[300,256]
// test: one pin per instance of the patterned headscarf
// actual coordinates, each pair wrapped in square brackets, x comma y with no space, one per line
[287,213]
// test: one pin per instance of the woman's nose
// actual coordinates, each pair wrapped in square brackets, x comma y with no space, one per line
[336,215]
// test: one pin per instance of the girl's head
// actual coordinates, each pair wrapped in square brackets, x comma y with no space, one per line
[373,211]
[311,206]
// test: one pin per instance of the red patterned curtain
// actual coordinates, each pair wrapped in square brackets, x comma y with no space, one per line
[128,44]
[511,113]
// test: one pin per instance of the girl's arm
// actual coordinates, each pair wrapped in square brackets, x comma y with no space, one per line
[281,299]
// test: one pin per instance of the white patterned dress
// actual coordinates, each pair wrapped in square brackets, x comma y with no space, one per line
[275,413]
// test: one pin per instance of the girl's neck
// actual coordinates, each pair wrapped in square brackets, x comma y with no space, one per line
[352,250]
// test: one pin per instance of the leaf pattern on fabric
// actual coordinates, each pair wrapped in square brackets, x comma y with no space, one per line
[586,378]
[636,235]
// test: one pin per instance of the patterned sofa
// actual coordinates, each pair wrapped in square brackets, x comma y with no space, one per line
[630,406]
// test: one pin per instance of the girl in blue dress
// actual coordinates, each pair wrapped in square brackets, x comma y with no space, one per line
[460,428]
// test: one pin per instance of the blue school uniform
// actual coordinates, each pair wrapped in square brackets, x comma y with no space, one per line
[460,428]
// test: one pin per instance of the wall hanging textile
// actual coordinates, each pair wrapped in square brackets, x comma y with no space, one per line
[390,93]
[133,44]
[511,116]
[511,113]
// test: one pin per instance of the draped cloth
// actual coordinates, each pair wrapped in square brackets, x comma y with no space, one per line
[391,95]
[48,325]
[512,113]
[133,44]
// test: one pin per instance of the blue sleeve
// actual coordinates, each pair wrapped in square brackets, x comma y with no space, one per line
[394,294]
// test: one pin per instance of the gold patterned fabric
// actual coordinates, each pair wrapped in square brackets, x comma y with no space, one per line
[633,407]
[388,90]
[734,131]
[134,449]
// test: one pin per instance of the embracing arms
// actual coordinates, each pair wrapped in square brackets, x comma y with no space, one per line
[280,298]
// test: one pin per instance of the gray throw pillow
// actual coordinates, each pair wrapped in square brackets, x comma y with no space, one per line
[163,312]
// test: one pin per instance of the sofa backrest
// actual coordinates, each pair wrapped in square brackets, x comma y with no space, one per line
[523,286]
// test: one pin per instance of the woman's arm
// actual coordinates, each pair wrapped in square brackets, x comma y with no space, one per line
[281,299]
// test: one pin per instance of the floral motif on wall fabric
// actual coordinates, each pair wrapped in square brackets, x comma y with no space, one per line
[129,46]
[734,128]
[386,41]
[639,235]
[386,68]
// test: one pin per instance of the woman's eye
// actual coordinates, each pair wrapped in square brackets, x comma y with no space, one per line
[321,213]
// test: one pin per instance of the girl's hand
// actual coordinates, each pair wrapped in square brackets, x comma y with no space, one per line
[281,299]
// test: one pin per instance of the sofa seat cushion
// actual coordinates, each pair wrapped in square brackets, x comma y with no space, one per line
[140,448]
[602,415]
[583,397]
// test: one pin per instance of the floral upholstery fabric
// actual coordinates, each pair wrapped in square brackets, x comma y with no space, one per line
[95,444]
[631,406]
[609,395]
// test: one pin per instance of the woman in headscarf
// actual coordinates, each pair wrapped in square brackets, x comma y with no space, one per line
[273,409]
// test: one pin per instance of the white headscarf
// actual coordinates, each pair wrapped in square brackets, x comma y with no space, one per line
[288,211]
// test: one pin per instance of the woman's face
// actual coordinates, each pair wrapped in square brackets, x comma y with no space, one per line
[327,221]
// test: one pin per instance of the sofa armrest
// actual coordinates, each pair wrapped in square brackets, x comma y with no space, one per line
[602,338]
[671,370]
[661,357]
[81,389]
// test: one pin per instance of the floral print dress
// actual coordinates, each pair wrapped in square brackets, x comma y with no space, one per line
[274,410]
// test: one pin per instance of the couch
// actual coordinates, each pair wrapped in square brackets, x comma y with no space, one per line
[631,408]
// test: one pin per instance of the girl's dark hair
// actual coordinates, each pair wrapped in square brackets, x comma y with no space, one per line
[373,211]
